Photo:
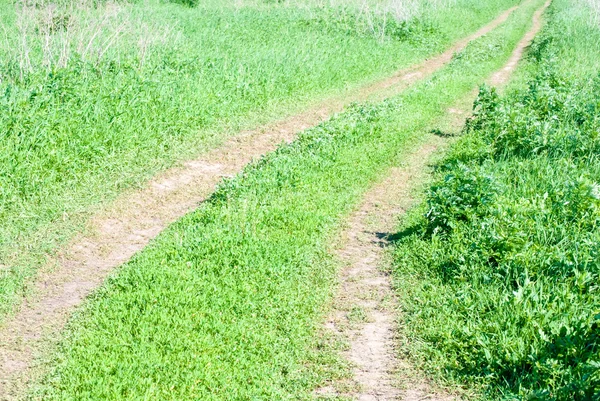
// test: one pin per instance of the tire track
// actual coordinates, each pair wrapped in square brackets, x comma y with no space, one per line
[139,216]
[366,287]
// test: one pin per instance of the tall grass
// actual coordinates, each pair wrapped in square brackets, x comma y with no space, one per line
[382,19]
[498,271]
[51,36]
[224,305]
[97,97]
[594,7]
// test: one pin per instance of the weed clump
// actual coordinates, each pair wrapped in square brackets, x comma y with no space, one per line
[500,276]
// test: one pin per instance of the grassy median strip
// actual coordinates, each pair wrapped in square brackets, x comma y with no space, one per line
[96,97]
[225,303]
[498,271]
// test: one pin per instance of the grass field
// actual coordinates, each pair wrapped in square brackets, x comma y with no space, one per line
[498,269]
[96,97]
[225,304]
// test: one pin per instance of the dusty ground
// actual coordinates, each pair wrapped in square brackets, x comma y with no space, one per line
[137,217]
[502,76]
[365,309]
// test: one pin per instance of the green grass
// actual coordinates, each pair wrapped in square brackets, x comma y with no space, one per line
[225,304]
[574,52]
[75,137]
[498,270]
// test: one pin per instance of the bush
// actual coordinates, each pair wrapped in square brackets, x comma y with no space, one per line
[500,276]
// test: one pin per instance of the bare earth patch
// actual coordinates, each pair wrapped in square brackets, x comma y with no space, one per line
[502,76]
[364,310]
[115,235]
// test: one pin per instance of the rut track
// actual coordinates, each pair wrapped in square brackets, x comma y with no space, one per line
[364,284]
[114,236]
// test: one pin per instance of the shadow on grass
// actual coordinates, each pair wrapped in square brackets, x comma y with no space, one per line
[388,239]
[444,134]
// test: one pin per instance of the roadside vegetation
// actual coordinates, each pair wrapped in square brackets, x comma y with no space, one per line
[225,303]
[498,270]
[98,96]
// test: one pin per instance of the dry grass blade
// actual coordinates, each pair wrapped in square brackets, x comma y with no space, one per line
[53,35]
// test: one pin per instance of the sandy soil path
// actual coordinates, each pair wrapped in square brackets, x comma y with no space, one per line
[365,285]
[137,217]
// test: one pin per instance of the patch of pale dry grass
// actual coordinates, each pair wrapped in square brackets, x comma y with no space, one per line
[595,8]
[52,35]
[375,15]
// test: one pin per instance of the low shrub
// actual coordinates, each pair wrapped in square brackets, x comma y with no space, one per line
[499,271]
